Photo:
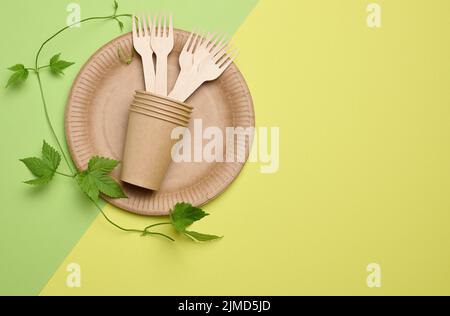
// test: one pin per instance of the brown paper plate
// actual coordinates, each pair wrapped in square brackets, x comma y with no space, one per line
[97,116]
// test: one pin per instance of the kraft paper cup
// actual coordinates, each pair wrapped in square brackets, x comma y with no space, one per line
[148,144]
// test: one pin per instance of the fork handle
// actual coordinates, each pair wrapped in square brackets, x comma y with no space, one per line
[185,88]
[161,75]
[149,73]
[181,81]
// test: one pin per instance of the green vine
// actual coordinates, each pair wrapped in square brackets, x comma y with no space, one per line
[95,179]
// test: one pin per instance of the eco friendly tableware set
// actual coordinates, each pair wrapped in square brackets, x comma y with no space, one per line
[154,113]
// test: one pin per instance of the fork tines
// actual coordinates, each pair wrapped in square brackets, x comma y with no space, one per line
[160,28]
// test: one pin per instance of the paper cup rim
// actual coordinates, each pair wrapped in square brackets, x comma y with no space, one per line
[166,100]
[163,101]
[161,112]
[162,107]
[158,116]
[147,98]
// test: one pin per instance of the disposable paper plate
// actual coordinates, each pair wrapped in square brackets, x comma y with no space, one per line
[97,116]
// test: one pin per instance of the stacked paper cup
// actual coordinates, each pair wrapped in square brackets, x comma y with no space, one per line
[147,153]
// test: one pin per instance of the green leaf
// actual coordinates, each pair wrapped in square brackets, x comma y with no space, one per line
[184,214]
[55,59]
[102,164]
[43,168]
[87,185]
[200,237]
[51,156]
[121,26]
[37,166]
[108,185]
[17,67]
[39,181]
[20,75]
[123,57]
[57,66]
[94,179]
[116,6]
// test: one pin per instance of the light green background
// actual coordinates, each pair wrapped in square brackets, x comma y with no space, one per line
[39,226]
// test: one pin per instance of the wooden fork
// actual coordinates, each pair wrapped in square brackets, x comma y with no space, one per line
[141,43]
[212,66]
[205,47]
[162,45]
[186,61]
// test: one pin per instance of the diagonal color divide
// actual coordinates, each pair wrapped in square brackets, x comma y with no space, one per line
[41,226]
[363,174]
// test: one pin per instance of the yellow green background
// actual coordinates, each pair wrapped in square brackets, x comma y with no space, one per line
[364,118]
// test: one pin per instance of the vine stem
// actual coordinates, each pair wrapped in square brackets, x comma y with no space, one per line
[47,117]
[130,230]
[114,16]
[158,224]
[65,174]
[36,70]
